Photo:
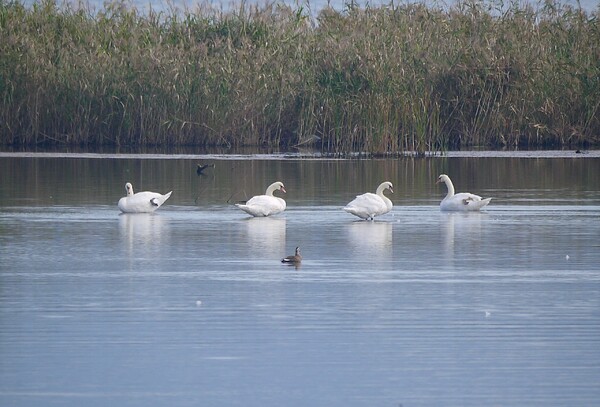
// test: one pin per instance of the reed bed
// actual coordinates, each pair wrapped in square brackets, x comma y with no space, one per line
[386,79]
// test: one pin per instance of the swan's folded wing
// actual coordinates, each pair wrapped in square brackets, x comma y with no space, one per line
[475,201]
[260,200]
[266,201]
[367,203]
[140,202]
[263,205]
[465,201]
[466,197]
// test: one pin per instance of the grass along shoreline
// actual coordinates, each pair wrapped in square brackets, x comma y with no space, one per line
[380,79]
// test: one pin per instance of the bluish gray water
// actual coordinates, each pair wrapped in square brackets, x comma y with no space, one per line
[191,306]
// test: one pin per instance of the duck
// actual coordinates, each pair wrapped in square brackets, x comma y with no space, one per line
[267,204]
[461,202]
[201,167]
[369,205]
[295,259]
[142,202]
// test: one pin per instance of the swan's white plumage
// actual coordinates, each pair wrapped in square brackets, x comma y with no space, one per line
[267,204]
[461,202]
[369,205]
[142,202]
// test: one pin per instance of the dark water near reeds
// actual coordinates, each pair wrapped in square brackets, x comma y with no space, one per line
[190,306]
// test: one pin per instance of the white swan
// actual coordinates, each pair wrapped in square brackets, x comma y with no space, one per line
[142,201]
[463,201]
[369,205]
[267,204]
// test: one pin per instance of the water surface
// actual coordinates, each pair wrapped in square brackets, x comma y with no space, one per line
[190,306]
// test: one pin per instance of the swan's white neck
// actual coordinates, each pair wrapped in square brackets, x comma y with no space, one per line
[379,192]
[129,189]
[388,202]
[450,187]
[272,188]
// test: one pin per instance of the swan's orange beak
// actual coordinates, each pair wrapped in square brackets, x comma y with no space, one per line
[283,189]
[391,190]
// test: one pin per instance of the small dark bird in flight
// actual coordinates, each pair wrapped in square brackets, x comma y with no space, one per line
[201,168]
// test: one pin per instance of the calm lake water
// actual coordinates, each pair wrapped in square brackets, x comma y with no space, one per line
[191,306]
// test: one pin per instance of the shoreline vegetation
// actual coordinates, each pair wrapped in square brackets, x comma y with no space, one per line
[382,80]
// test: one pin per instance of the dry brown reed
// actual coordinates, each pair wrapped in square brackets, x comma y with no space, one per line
[378,79]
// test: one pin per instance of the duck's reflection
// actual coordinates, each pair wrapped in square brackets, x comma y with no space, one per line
[371,238]
[143,231]
[266,236]
[295,266]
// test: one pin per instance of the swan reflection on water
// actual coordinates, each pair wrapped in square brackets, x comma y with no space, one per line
[266,236]
[460,228]
[371,237]
[143,230]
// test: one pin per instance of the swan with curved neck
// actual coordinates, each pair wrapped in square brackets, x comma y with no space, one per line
[369,205]
[267,204]
[142,202]
[463,201]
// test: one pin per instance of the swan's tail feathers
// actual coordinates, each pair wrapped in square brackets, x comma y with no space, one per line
[252,210]
[477,205]
[244,207]
[350,210]
[485,201]
[159,200]
[357,212]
